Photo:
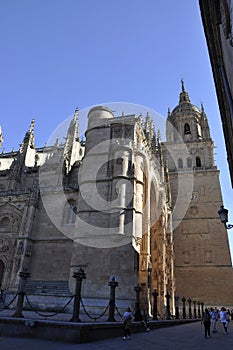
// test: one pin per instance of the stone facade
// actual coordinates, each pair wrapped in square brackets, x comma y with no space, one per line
[120,203]
[203,266]
[103,204]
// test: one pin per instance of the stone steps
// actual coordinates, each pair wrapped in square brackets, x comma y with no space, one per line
[57,288]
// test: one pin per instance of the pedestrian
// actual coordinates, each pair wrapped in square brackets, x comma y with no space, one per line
[144,321]
[127,318]
[206,321]
[224,318]
[214,318]
[232,314]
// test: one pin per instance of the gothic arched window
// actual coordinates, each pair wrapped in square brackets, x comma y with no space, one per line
[187,129]
[198,162]
[180,163]
[70,212]
[189,162]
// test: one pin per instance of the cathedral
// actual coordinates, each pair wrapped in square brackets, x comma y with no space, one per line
[124,203]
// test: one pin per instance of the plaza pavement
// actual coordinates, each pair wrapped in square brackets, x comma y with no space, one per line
[181,337]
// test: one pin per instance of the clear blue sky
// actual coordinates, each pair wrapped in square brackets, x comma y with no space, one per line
[56,55]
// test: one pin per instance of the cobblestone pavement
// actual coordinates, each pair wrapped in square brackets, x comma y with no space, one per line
[183,337]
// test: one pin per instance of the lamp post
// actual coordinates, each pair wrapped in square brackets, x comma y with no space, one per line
[223,215]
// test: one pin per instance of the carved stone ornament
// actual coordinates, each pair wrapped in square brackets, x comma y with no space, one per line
[128,130]
[117,131]
[4,245]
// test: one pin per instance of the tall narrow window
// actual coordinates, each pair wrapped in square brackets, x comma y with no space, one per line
[180,163]
[70,212]
[198,162]
[189,162]
[187,129]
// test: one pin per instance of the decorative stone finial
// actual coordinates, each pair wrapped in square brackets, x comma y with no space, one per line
[1,137]
[182,84]
[184,96]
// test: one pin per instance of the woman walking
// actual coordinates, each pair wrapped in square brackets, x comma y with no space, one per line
[127,318]
[206,320]
[224,318]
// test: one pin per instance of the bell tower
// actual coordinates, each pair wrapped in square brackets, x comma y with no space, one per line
[203,268]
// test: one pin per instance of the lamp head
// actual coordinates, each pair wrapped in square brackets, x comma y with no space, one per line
[223,214]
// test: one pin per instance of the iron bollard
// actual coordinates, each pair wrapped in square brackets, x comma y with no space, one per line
[155,309]
[190,308]
[79,276]
[184,308]
[137,314]
[168,313]
[194,308]
[202,308]
[112,284]
[198,309]
[21,293]
[177,315]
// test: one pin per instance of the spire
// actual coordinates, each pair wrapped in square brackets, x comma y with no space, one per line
[32,125]
[73,127]
[72,137]
[168,112]
[182,84]
[184,96]
[28,138]
[1,137]
[204,124]
[19,162]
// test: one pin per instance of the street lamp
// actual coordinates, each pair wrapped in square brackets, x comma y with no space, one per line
[223,215]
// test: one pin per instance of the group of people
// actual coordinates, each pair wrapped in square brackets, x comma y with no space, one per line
[209,320]
[212,315]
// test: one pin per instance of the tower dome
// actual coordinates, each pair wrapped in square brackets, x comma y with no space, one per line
[185,104]
[187,123]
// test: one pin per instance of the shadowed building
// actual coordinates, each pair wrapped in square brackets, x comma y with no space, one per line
[217,18]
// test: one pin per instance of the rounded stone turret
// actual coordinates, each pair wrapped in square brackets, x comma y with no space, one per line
[98,115]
